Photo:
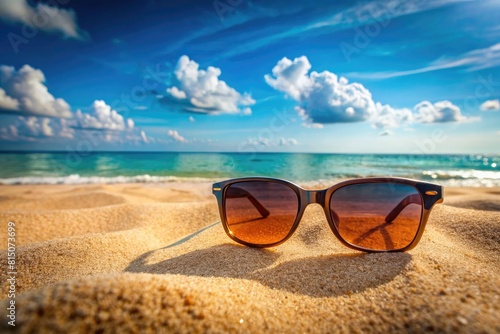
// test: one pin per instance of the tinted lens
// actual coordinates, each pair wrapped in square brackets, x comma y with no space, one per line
[260,212]
[377,216]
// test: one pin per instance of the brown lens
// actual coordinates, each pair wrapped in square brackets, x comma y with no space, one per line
[377,216]
[260,212]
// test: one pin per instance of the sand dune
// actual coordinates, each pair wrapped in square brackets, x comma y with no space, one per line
[148,258]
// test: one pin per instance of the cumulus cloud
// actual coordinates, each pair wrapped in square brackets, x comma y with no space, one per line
[257,141]
[40,129]
[176,136]
[23,92]
[291,77]
[41,115]
[439,112]
[7,102]
[102,117]
[201,91]
[31,127]
[490,105]
[9,133]
[288,142]
[327,98]
[266,142]
[387,117]
[37,127]
[43,17]
[323,97]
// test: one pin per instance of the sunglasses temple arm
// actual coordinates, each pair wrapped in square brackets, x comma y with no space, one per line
[236,192]
[410,199]
[365,235]
[335,216]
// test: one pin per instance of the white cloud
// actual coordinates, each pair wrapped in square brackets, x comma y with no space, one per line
[388,117]
[37,127]
[313,125]
[439,112]
[144,137]
[42,17]
[246,111]
[28,128]
[288,142]
[307,122]
[176,136]
[191,119]
[23,92]
[259,141]
[490,105]
[102,117]
[202,91]
[323,97]
[327,98]
[175,92]
[266,142]
[291,77]
[9,133]
[106,124]
[65,130]
[7,102]
[13,130]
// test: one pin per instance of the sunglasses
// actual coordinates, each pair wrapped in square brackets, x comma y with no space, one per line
[369,214]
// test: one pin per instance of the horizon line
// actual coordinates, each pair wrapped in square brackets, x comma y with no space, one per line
[242,153]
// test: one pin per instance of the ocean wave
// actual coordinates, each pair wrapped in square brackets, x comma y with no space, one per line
[448,178]
[77,179]
[453,178]
[461,174]
[463,178]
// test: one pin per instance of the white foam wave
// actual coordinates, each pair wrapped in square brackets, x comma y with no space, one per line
[464,178]
[463,174]
[77,179]
[454,178]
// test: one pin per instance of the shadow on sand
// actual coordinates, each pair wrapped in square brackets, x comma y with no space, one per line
[320,276]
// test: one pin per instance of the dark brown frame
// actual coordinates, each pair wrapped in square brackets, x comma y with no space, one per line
[430,194]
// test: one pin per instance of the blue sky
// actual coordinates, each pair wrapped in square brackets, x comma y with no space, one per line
[249,76]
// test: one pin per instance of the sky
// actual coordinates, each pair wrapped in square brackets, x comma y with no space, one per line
[416,76]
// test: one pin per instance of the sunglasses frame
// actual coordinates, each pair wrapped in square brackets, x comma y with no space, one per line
[430,194]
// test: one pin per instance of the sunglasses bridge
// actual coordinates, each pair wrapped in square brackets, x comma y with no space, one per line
[315,196]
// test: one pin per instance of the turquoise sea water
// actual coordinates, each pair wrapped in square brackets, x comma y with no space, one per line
[100,167]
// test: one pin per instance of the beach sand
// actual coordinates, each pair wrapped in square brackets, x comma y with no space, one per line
[152,258]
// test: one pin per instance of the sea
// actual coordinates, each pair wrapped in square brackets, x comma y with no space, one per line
[471,170]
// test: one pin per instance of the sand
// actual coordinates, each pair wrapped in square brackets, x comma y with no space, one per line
[152,258]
